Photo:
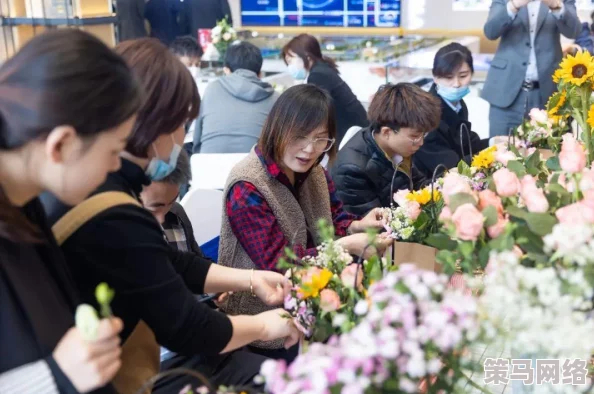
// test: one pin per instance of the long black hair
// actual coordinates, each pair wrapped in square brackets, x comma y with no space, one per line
[62,77]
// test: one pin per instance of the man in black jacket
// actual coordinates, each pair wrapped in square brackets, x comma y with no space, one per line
[378,160]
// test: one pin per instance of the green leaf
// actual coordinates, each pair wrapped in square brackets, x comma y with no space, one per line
[441,241]
[463,168]
[490,214]
[528,240]
[484,256]
[516,167]
[553,163]
[459,199]
[466,248]
[540,223]
[533,160]
[557,188]
[516,212]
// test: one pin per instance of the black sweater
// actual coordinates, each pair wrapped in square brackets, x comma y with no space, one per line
[125,247]
[442,146]
[363,175]
[37,303]
[348,109]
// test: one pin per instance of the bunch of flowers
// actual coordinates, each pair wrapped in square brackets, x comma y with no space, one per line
[537,313]
[485,159]
[414,327]
[205,390]
[223,35]
[540,131]
[327,288]
[575,78]
[414,217]
[86,318]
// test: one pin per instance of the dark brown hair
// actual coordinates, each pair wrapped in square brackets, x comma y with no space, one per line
[450,58]
[307,47]
[62,77]
[298,111]
[171,95]
[404,105]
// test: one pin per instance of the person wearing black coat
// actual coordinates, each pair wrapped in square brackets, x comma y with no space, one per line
[377,161]
[304,58]
[453,140]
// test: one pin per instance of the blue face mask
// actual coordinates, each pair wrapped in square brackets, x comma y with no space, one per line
[297,72]
[158,169]
[453,94]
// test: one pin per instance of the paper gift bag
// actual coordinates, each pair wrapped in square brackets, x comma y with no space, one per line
[422,256]
[546,154]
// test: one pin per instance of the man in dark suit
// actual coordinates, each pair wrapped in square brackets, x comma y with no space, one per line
[131,19]
[520,76]
[204,14]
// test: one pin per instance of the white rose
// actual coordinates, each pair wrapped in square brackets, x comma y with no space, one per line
[227,36]
[215,40]
[539,115]
[216,31]
[87,321]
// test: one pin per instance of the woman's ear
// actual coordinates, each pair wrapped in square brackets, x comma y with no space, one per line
[61,144]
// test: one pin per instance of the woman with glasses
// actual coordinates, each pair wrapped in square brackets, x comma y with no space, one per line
[276,196]
[453,140]
[377,161]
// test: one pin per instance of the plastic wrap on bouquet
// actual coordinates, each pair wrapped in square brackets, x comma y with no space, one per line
[420,255]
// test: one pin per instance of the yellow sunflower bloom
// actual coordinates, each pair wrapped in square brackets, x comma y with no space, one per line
[485,158]
[591,116]
[577,69]
[554,104]
[317,283]
[558,75]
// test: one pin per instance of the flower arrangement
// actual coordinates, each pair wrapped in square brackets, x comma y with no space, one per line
[415,216]
[541,131]
[537,313]
[414,328]
[327,288]
[222,36]
[574,80]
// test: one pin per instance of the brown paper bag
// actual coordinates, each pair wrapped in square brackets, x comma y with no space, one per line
[420,255]
[546,154]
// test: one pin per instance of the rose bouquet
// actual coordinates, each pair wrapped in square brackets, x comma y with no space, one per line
[223,35]
[540,131]
[415,332]
[327,288]
[414,217]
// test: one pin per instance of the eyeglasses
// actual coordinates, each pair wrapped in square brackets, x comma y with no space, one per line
[320,145]
[416,140]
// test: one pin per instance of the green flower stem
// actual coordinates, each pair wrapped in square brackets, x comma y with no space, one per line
[475,385]
[585,93]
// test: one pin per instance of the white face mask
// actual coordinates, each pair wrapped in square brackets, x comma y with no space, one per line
[195,71]
[296,68]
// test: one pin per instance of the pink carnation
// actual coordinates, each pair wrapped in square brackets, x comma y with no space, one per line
[577,213]
[497,229]
[445,215]
[452,184]
[489,198]
[503,155]
[347,276]
[329,300]
[413,209]
[533,197]
[400,197]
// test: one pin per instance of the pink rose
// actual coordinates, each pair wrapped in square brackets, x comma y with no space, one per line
[533,197]
[468,221]
[445,215]
[589,197]
[329,300]
[578,213]
[413,209]
[539,115]
[347,276]
[587,181]
[507,183]
[572,157]
[497,229]
[452,184]
[503,155]
[489,198]
[400,197]
[536,201]
[310,273]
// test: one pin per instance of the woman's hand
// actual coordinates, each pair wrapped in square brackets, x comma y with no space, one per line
[278,324]
[90,364]
[270,287]
[374,219]
[357,244]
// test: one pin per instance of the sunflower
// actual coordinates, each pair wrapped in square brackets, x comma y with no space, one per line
[558,75]
[555,103]
[485,158]
[591,116]
[317,282]
[577,69]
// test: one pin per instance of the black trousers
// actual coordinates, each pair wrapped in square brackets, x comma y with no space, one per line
[237,368]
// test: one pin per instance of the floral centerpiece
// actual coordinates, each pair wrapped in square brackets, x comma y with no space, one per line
[540,131]
[327,288]
[415,332]
[223,35]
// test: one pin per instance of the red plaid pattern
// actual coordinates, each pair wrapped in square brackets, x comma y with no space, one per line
[256,228]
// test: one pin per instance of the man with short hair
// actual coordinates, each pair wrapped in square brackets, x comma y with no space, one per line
[235,106]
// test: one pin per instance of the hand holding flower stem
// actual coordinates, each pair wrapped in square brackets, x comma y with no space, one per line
[104,295]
